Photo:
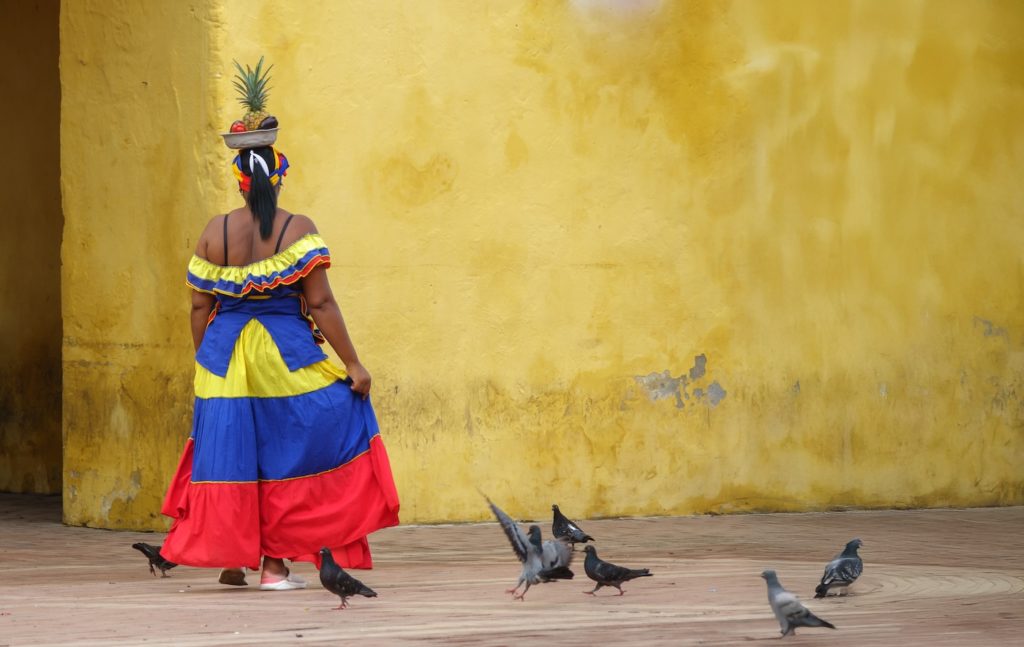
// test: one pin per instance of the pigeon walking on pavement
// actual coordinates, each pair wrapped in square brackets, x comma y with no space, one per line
[788,609]
[842,571]
[340,583]
[565,528]
[542,561]
[156,560]
[608,574]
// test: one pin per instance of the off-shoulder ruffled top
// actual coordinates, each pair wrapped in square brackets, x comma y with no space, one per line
[284,268]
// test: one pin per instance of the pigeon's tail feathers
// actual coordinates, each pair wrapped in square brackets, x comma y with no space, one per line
[640,572]
[814,621]
[557,573]
[586,538]
[366,591]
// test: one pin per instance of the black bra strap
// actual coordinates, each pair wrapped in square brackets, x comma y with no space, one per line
[226,239]
[281,237]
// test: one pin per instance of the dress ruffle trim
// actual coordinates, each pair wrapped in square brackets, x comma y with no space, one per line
[284,268]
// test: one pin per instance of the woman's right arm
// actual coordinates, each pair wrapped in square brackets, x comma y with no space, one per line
[327,315]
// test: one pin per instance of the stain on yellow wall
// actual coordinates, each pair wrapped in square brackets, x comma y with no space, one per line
[631,257]
[30,327]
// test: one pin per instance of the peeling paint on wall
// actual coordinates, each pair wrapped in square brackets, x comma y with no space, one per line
[662,385]
[990,329]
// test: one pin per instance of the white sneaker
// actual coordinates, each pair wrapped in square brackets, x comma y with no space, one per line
[289,583]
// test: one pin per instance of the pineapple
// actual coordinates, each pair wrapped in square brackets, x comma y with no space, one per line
[253,92]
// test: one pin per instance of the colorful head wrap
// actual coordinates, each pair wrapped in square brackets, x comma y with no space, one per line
[244,173]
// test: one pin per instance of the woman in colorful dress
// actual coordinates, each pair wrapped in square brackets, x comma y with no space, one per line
[285,455]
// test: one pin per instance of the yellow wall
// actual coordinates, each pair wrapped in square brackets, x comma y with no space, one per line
[30,327]
[632,257]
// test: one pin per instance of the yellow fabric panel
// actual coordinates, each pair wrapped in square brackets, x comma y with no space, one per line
[256,348]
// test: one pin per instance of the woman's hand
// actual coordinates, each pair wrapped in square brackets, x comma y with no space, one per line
[360,378]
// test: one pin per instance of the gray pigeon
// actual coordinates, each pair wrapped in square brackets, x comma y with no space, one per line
[608,574]
[542,561]
[338,582]
[565,528]
[787,608]
[842,571]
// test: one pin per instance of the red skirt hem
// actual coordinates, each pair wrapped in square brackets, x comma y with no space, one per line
[231,525]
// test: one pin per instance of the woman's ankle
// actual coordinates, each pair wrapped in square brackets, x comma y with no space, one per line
[274,568]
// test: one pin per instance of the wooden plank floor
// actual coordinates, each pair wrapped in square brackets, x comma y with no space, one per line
[938,577]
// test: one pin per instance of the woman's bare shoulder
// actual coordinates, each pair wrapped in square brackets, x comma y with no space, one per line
[304,224]
[213,228]
[298,227]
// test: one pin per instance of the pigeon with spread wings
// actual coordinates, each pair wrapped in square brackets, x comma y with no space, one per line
[543,561]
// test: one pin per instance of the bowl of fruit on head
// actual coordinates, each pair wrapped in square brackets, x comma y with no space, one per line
[256,128]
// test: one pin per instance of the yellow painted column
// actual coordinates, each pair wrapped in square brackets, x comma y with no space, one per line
[136,162]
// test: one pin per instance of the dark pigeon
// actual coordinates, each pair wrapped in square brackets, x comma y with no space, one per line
[564,528]
[842,571]
[608,574]
[339,582]
[788,609]
[156,560]
[543,561]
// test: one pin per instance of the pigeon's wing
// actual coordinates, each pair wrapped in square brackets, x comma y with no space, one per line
[844,571]
[788,606]
[348,585]
[520,542]
[829,575]
[795,613]
[556,552]
[850,569]
[608,572]
[577,534]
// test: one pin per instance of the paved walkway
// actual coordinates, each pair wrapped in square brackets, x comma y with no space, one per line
[939,577]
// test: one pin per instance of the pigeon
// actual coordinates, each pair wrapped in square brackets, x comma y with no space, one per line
[339,582]
[542,561]
[608,574]
[156,560]
[565,528]
[842,571]
[787,608]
